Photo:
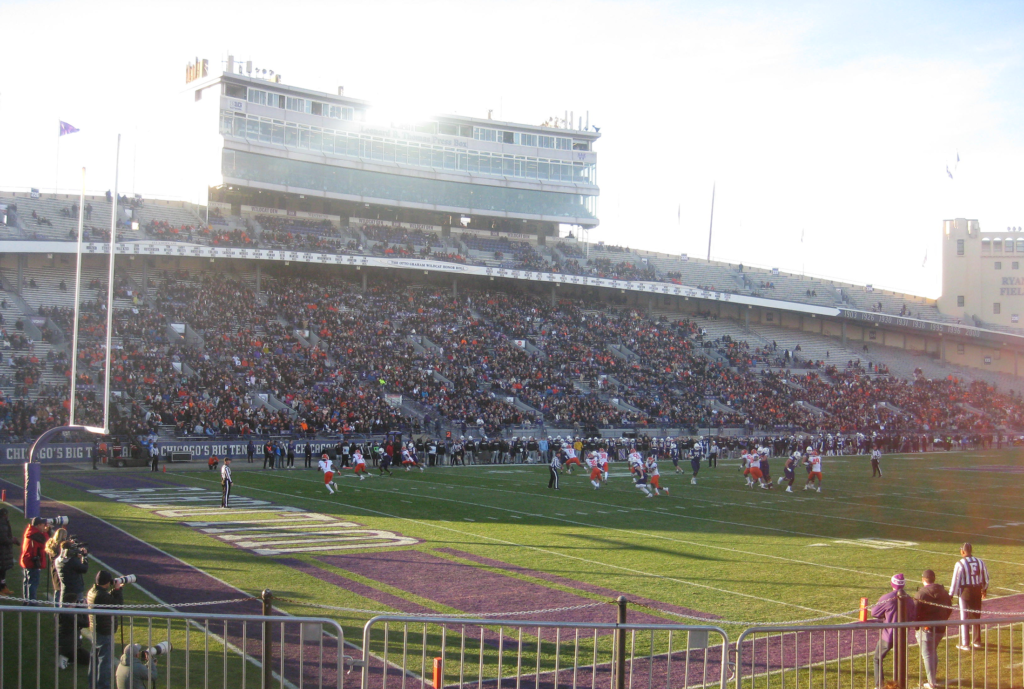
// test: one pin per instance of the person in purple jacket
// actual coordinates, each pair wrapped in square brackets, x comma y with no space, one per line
[887,610]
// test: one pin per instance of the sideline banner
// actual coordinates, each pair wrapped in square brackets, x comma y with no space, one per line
[52,453]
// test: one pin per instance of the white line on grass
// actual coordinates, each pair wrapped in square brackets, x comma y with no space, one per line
[661,537]
[543,550]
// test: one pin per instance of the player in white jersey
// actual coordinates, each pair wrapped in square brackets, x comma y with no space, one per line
[636,467]
[359,465]
[813,463]
[409,458]
[327,467]
[602,461]
[595,470]
[654,475]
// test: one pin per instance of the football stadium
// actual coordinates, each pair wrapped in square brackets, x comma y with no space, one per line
[376,412]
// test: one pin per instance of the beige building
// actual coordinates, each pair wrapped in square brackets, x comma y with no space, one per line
[982,279]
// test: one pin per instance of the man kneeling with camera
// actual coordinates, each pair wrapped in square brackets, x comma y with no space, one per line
[138,666]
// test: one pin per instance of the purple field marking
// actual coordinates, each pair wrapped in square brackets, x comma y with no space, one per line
[570,583]
[471,589]
[355,587]
[176,582]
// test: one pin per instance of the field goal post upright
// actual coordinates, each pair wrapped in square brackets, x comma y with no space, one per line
[33,473]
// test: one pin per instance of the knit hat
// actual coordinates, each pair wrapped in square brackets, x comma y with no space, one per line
[103,578]
[897,581]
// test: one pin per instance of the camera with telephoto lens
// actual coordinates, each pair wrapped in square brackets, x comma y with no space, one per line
[58,522]
[154,651]
[126,579]
[77,547]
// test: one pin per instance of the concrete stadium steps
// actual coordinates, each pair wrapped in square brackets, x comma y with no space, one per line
[812,346]
[47,292]
[176,216]
[790,287]
[699,273]
[63,228]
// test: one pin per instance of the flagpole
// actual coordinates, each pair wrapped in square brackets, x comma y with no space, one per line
[110,294]
[711,226]
[78,288]
[56,172]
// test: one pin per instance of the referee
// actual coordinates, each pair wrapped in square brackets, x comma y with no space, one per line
[225,482]
[970,583]
[555,467]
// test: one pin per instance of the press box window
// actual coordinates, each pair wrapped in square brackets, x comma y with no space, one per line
[1015,265]
[960,300]
[959,247]
[998,265]
[959,349]
[997,308]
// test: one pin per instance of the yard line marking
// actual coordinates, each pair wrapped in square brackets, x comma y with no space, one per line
[668,538]
[545,550]
[762,505]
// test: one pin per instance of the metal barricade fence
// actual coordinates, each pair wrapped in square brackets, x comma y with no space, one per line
[846,656]
[403,652]
[204,650]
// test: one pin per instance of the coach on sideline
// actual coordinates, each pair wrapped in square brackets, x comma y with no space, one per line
[970,584]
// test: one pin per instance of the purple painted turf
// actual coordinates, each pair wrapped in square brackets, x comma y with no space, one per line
[589,588]
[468,588]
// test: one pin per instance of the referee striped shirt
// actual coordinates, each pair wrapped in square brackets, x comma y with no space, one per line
[969,572]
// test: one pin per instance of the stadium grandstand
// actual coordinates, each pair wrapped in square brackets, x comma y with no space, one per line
[436,276]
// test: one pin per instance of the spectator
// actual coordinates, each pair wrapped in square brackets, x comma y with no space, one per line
[933,605]
[892,607]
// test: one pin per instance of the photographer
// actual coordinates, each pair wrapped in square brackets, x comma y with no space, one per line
[7,545]
[137,669]
[71,566]
[105,593]
[33,557]
[52,552]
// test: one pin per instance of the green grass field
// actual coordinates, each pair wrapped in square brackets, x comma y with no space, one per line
[718,548]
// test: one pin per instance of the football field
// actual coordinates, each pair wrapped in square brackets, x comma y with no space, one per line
[495,539]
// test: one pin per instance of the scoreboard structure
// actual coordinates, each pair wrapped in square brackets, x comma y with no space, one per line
[261,142]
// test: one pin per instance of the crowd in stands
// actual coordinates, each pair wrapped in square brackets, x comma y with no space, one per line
[331,358]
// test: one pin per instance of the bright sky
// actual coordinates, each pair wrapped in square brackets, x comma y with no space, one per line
[831,121]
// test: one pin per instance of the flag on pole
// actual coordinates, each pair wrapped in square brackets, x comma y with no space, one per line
[679,215]
[802,236]
[66,128]
[925,261]
[949,173]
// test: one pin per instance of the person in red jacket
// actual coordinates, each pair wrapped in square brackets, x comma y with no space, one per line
[33,556]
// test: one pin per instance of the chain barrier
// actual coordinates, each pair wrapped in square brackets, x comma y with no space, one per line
[36,602]
[321,606]
[717,622]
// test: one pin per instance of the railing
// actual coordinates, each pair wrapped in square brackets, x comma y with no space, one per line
[838,656]
[414,652]
[53,647]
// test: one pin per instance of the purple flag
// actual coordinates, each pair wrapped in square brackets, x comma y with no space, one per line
[66,128]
